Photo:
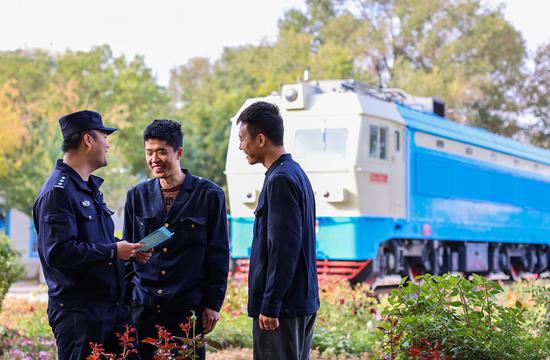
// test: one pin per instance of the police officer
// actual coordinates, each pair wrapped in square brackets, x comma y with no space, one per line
[79,255]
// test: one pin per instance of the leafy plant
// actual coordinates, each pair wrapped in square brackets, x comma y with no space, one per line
[168,346]
[14,345]
[10,266]
[347,319]
[450,317]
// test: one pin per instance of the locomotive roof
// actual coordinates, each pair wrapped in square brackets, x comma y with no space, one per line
[431,123]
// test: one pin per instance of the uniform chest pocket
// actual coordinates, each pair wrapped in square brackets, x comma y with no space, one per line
[259,221]
[193,229]
[87,214]
[89,226]
[144,225]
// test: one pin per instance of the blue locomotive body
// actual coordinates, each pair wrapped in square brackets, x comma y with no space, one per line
[443,197]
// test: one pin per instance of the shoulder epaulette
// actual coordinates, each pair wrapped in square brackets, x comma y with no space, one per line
[61,181]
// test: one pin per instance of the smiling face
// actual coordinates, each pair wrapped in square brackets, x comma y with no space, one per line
[251,145]
[162,159]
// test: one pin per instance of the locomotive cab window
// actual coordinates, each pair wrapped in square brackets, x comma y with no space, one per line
[378,140]
[315,142]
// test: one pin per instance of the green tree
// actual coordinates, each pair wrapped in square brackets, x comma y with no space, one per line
[538,98]
[125,92]
[461,51]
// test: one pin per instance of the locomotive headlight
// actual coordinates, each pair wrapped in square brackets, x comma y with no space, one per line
[291,94]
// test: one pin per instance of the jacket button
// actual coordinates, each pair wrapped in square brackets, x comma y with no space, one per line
[165,250]
[61,305]
[163,272]
[110,263]
[141,223]
[159,291]
[166,225]
[158,306]
[192,226]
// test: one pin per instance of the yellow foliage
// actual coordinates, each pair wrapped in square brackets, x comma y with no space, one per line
[61,98]
[12,129]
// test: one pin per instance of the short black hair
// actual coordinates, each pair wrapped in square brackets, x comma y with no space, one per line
[263,117]
[165,129]
[73,141]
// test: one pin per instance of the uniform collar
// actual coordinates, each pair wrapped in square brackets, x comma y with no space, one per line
[95,180]
[156,201]
[278,162]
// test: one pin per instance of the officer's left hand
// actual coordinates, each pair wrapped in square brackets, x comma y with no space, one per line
[143,256]
[209,320]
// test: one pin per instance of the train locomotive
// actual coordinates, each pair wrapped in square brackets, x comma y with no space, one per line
[401,190]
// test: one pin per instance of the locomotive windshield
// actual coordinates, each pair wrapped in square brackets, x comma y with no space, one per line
[320,142]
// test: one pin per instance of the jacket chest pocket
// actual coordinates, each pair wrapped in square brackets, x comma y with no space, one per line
[192,229]
[260,220]
[89,226]
[144,225]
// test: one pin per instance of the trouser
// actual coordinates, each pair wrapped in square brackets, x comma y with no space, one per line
[146,318]
[74,327]
[291,340]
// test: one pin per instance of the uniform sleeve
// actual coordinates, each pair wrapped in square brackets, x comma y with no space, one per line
[128,226]
[57,235]
[217,258]
[284,234]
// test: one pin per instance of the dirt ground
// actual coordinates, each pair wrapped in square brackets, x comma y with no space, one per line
[246,354]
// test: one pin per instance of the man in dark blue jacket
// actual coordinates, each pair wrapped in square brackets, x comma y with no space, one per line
[283,296]
[189,271]
[76,244]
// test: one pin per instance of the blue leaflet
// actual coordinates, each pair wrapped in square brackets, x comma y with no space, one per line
[155,238]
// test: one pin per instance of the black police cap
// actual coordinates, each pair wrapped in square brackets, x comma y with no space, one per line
[80,121]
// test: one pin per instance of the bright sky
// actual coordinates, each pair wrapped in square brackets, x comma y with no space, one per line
[169,32]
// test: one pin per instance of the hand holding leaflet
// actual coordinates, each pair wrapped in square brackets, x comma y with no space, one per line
[155,238]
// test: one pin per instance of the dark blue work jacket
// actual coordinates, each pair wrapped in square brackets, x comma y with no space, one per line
[76,241]
[282,280]
[190,269]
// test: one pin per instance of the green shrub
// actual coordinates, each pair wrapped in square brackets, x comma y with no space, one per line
[345,324]
[450,317]
[10,266]
[347,320]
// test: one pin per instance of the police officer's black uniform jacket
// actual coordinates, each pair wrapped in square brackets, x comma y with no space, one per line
[282,280]
[188,271]
[76,241]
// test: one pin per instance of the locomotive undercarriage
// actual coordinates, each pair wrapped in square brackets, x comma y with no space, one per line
[411,258]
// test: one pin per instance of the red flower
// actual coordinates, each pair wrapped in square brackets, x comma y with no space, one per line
[185,327]
[415,351]
[97,350]
[426,342]
[341,301]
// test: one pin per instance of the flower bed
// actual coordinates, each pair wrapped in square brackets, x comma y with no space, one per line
[348,322]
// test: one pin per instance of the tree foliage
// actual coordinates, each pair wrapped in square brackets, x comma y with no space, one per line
[40,87]
[461,51]
[538,97]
